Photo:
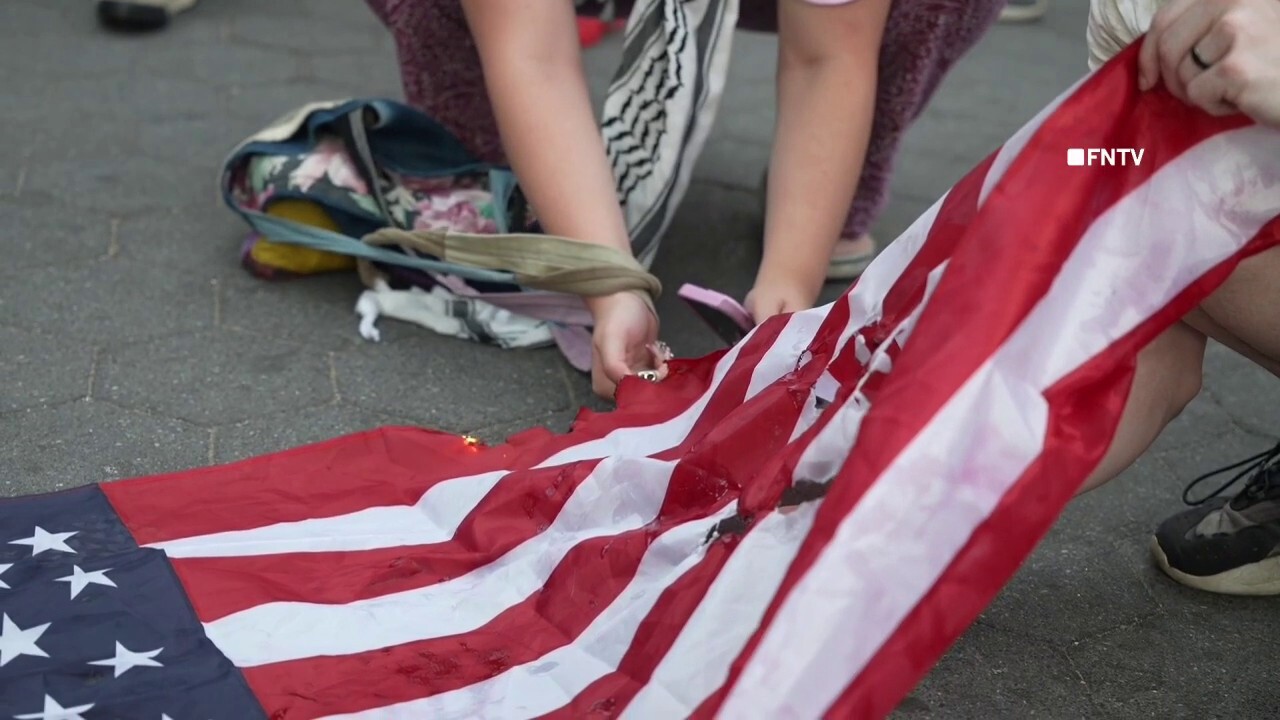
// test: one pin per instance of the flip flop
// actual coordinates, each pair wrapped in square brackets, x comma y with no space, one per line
[725,316]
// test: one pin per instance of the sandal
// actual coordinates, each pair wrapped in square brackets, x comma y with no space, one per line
[725,316]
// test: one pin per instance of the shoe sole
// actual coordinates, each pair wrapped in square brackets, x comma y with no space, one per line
[1257,579]
[1024,13]
[848,268]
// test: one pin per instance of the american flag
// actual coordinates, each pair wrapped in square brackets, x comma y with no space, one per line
[796,527]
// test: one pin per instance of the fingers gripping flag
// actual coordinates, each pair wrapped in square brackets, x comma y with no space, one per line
[796,527]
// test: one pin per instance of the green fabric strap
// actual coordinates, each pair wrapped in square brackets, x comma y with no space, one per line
[542,262]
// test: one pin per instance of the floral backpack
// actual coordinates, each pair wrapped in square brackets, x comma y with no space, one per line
[448,242]
[322,186]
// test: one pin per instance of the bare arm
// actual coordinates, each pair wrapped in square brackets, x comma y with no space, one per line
[827,69]
[536,83]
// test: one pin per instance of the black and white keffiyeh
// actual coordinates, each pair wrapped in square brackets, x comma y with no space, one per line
[661,106]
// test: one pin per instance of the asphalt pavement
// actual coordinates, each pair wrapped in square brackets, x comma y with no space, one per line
[131,342]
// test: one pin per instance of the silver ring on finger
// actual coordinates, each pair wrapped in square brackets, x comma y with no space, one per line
[1199,61]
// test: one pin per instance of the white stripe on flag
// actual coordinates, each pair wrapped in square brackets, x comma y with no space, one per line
[433,519]
[882,274]
[620,495]
[887,268]
[698,662]
[830,449]
[705,649]
[867,305]
[554,679]
[939,489]
[442,509]
[788,347]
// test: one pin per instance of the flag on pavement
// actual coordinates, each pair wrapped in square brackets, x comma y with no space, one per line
[798,526]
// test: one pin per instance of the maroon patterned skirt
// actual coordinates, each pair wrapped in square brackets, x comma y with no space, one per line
[923,39]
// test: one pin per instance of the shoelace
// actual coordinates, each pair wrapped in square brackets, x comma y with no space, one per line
[1258,484]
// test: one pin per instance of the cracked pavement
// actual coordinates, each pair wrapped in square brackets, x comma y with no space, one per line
[131,342]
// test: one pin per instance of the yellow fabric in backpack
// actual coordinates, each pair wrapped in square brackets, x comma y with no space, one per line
[296,258]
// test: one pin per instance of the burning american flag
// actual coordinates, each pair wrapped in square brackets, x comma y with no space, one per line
[797,527]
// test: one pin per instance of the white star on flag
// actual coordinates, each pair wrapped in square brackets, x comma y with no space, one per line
[127,659]
[4,567]
[54,711]
[14,641]
[79,579]
[43,540]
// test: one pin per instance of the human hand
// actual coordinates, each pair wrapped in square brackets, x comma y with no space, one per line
[625,341]
[1220,55]
[767,299]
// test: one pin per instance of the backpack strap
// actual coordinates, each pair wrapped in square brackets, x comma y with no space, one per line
[351,129]
[541,262]
[289,231]
[509,203]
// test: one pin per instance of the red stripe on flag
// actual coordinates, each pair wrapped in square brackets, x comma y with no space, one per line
[520,504]
[959,207]
[387,466]
[607,696]
[1084,412]
[585,581]
[612,693]
[957,210]
[985,295]
[335,477]
[515,510]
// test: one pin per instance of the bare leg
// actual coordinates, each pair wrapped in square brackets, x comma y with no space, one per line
[922,43]
[1244,314]
[1167,380]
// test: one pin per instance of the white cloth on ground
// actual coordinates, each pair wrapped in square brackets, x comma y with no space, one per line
[448,314]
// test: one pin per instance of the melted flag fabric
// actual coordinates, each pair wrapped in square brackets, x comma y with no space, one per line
[799,526]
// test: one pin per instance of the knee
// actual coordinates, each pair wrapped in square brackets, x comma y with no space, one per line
[1177,360]
[1184,388]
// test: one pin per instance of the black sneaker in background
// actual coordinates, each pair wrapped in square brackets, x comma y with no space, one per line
[140,15]
[1228,546]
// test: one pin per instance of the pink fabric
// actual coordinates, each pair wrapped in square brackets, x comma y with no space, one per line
[440,70]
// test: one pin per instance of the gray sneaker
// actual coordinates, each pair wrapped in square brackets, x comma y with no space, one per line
[1228,546]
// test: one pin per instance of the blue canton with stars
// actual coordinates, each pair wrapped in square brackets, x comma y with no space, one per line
[94,627]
